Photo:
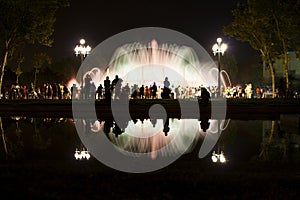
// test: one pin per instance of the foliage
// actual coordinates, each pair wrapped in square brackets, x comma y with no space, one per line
[270,26]
[40,59]
[25,22]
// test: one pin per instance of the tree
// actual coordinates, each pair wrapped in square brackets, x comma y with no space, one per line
[38,61]
[251,25]
[271,25]
[286,26]
[23,22]
[19,71]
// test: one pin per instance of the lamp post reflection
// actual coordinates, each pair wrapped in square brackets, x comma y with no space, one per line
[219,155]
[82,154]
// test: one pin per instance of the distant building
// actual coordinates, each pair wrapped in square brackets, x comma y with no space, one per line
[293,67]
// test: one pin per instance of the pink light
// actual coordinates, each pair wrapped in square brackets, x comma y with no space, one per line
[71,82]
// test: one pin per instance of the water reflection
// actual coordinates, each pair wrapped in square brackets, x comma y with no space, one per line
[281,139]
[56,138]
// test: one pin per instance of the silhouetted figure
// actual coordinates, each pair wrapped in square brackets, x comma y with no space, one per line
[166,127]
[87,87]
[204,124]
[166,91]
[205,96]
[126,91]
[108,124]
[142,92]
[153,91]
[66,92]
[55,91]
[114,82]
[153,122]
[100,91]
[118,86]
[107,93]
[117,130]
[134,91]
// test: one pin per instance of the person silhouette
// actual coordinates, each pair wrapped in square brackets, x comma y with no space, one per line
[87,81]
[153,91]
[142,89]
[107,93]
[100,91]
[166,91]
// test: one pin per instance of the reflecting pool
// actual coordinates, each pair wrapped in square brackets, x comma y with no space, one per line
[45,157]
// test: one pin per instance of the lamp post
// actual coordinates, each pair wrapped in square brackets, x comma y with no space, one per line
[83,51]
[219,48]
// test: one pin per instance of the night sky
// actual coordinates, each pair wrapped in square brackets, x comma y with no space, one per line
[97,20]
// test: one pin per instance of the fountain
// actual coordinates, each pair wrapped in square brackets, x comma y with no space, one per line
[144,61]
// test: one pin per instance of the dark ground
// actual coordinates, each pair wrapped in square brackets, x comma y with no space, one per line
[184,179]
[245,109]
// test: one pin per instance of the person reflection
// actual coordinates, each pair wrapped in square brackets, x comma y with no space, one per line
[205,109]
[87,128]
[166,127]
[108,124]
[117,130]
[154,122]
[204,124]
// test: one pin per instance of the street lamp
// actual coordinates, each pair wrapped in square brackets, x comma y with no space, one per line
[83,51]
[219,48]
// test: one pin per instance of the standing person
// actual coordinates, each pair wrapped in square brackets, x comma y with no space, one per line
[66,92]
[74,91]
[118,86]
[25,94]
[107,93]
[258,95]
[142,91]
[55,91]
[166,91]
[177,92]
[93,91]
[99,91]
[87,87]
[147,92]
[126,91]
[115,81]
[153,91]
[49,91]
[59,93]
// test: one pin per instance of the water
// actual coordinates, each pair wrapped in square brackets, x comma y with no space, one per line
[241,140]
[262,161]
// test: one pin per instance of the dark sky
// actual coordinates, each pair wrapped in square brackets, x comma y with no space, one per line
[97,20]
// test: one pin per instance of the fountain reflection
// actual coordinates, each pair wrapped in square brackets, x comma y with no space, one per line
[56,138]
[149,135]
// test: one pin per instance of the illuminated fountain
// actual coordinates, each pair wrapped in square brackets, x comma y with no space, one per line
[186,64]
[144,64]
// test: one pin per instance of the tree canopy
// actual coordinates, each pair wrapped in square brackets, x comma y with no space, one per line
[270,26]
[25,22]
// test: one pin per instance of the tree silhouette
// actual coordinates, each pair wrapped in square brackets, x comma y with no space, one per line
[25,22]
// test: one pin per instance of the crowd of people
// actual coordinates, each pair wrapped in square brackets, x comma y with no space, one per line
[44,91]
[116,90]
